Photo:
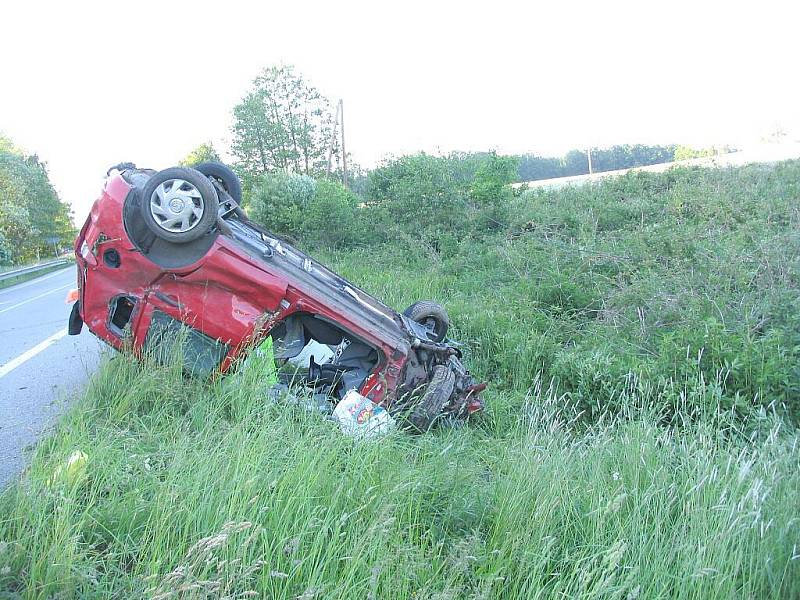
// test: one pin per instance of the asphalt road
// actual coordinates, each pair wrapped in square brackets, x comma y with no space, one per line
[41,368]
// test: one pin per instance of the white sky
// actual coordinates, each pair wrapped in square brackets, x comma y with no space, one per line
[87,85]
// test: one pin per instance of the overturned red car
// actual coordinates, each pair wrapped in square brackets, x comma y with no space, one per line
[170,257]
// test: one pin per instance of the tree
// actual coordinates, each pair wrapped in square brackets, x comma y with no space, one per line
[5,250]
[283,123]
[7,145]
[576,162]
[532,167]
[202,153]
[15,227]
[32,218]
[686,152]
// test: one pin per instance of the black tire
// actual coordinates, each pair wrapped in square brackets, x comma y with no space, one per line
[432,315]
[158,214]
[429,408]
[225,176]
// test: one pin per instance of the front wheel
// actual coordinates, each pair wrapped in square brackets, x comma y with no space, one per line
[432,316]
[428,410]
[179,205]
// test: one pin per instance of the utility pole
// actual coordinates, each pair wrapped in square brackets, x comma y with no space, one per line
[589,156]
[344,151]
[332,141]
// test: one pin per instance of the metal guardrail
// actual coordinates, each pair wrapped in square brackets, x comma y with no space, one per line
[33,269]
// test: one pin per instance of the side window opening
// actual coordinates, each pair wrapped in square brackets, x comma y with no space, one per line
[171,340]
[119,314]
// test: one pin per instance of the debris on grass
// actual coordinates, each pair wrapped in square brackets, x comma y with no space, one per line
[361,418]
[72,470]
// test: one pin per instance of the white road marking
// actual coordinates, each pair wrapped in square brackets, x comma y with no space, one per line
[29,354]
[13,306]
[19,286]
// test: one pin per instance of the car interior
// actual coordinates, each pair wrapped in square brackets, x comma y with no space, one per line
[321,354]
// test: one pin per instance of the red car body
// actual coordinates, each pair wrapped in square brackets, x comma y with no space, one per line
[232,287]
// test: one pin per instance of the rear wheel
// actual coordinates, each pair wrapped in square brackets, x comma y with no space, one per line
[432,315]
[428,410]
[225,176]
[179,205]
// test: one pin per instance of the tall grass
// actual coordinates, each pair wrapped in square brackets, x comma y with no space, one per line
[659,459]
[193,490]
[653,287]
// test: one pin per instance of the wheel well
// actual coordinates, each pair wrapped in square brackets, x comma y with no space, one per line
[163,253]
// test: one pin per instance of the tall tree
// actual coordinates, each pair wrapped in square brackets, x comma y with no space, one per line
[32,218]
[283,123]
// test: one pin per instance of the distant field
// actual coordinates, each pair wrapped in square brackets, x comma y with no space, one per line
[766,153]
[641,338]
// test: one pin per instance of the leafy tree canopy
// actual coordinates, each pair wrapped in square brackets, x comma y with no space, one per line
[202,153]
[576,162]
[283,123]
[32,218]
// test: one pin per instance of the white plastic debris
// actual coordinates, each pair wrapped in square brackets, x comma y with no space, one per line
[71,471]
[360,417]
[322,354]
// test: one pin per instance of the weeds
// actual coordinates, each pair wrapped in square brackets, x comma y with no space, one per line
[273,501]
[639,438]
[679,282]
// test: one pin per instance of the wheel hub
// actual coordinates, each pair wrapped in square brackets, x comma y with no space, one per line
[176,205]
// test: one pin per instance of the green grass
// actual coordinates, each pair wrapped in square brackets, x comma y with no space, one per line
[640,441]
[669,290]
[206,491]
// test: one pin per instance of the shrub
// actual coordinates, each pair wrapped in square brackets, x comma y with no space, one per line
[491,194]
[420,195]
[420,199]
[438,198]
[279,201]
[307,211]
[333,218]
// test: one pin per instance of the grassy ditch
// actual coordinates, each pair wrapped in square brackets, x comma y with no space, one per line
[190,491]
[641,340]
